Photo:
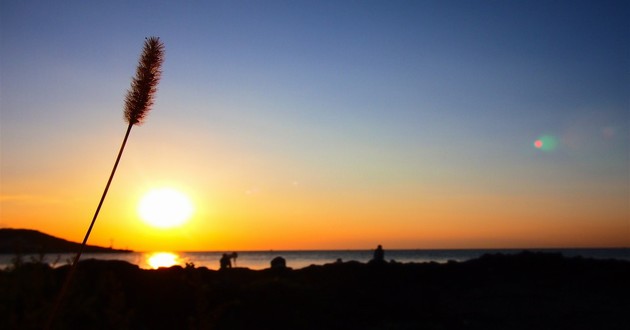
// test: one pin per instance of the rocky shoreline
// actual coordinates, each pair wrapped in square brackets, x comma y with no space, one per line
[523,291]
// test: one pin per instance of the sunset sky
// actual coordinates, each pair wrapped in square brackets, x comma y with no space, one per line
[322,124]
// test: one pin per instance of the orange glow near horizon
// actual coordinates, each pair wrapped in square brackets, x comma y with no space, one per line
[323,211]
[309,219]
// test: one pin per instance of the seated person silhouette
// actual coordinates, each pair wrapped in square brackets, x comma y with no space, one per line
[379,256]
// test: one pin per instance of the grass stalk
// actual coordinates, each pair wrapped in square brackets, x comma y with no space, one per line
[138,102]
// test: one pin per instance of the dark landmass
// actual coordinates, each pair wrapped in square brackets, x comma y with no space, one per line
[26,241]
[522,291]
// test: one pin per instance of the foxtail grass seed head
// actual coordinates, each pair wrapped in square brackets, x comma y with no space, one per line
[144,85]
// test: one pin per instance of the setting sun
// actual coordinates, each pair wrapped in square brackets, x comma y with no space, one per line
[165,208]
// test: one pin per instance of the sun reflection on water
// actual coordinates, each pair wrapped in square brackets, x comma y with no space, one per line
[162,259]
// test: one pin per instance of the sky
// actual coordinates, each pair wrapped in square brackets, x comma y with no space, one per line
[322,124]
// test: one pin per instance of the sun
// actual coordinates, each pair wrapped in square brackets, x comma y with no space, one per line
[165,208]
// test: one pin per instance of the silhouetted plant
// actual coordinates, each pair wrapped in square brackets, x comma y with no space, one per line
[138,103]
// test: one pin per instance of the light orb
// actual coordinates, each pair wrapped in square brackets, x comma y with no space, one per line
[165,208]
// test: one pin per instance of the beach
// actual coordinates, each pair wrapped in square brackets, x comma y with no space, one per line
[528,290]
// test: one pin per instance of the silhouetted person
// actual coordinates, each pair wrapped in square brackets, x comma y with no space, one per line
[379,256]
[226,261]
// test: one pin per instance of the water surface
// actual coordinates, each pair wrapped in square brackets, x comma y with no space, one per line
[300,259]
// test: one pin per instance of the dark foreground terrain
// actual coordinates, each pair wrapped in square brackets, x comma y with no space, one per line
[523,291]
[27,241]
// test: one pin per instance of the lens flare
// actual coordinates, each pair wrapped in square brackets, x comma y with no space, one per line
[546,143]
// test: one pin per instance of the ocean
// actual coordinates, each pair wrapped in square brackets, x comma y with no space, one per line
[300,259]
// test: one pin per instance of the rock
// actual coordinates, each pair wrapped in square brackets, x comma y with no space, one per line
[278,263]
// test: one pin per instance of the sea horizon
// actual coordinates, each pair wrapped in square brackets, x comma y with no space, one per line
[400,249]
[296,259]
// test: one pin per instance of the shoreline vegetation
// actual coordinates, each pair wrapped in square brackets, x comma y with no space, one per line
[527,290]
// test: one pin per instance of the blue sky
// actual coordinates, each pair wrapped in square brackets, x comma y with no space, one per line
[413,101]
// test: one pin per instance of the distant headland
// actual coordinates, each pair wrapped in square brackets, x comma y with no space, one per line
[25,241]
